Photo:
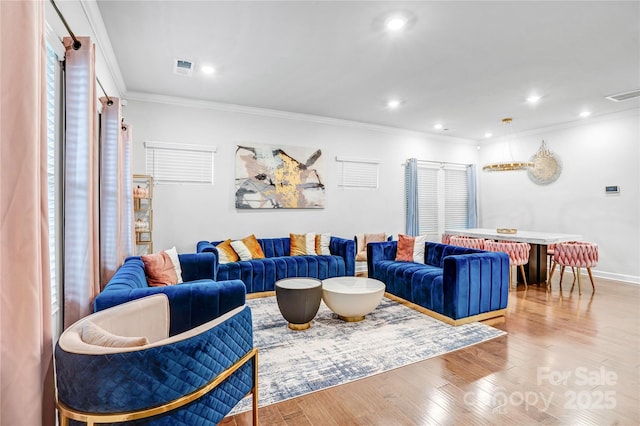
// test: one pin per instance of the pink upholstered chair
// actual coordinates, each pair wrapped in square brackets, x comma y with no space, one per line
[518,254]
[476,243]
[446,238]
[552,265]
[577,254]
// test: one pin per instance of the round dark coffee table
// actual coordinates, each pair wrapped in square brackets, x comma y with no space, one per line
[299,300]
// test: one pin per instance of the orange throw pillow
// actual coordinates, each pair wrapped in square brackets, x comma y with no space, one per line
[159,269]
[405,248]
[298,244]
[226,253]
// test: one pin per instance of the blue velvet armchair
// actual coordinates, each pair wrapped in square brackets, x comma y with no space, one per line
[137,373]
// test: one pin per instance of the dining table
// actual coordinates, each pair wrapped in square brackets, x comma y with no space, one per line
[536,269]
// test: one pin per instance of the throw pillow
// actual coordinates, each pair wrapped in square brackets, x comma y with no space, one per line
[248,248]
[405,248]
[93,334]
[322,244]
[226,253]
[159,269]
[418,248]
[369,238]
[173,254]
[298,244]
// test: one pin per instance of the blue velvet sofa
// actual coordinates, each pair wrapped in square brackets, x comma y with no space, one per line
[260,275]
[455,284]
[195,301]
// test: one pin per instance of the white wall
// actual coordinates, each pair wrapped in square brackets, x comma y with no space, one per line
[185,214]
[595,153]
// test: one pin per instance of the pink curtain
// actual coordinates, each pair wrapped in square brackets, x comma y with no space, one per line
[81,242]
[116,219]
[26,379]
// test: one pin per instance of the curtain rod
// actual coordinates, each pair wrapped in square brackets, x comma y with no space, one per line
[441,163]
[109,101]
[76,43]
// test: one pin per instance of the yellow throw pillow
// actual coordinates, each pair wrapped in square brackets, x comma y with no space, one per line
[322,244]
[226,253]
[298,244]
[248,248]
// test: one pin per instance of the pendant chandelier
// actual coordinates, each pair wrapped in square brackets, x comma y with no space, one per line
[510,164]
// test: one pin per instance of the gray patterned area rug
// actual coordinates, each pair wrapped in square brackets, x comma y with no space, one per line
[333,352]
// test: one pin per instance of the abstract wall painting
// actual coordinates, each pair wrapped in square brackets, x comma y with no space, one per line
[279,177]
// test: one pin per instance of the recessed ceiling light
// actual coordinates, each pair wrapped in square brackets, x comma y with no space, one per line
[488,135]
[533,99]
[208,69]
[437,126]
[396,23]
[394,103]
[585,114]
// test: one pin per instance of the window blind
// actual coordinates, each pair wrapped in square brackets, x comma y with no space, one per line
[179,163]
[359,173]
[455,198]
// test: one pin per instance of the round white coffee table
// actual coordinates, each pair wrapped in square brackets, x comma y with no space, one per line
[351,298]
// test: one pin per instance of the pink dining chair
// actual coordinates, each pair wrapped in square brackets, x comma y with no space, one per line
[476,243]
[446,238]
[518,254]
[550,252]
[576,254]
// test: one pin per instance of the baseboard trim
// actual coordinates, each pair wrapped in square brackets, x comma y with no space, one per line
[480,317]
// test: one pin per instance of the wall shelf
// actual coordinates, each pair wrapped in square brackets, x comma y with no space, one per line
[143,213]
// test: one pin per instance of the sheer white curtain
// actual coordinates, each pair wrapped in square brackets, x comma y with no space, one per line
[81,243]
[26,375]
[116,193]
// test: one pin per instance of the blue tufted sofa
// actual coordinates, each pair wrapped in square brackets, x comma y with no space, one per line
[195,301]
[455,284]
[260,275]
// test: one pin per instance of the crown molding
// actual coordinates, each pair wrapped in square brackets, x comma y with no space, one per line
[579,122]
[103,43]
[264,112]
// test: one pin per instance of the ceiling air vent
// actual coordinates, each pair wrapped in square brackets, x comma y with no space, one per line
[624,96]
[183,67]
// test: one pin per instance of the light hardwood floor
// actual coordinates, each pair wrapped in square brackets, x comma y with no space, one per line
[566,359]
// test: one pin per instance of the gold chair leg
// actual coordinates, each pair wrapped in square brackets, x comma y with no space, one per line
[591,278]
[255,389]
[553,269]
[510,277]
[579,282]
[524,277]
[561,275]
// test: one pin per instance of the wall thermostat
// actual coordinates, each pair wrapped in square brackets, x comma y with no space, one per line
[613,189]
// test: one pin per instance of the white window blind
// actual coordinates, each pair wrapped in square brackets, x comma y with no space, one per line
[427,200]
[442,197]
[455,198]
[53,178]
[359,173]
[179,163]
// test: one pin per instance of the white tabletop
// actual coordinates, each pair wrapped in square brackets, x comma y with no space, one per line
[521,236]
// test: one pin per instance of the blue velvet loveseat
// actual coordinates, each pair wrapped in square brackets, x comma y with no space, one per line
[260,275]
[195,301]
[455,284]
